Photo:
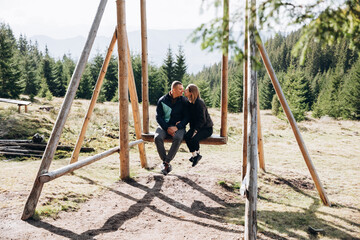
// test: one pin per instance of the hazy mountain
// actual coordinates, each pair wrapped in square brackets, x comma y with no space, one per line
[158,43]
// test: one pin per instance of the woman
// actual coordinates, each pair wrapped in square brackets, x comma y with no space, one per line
[201,125]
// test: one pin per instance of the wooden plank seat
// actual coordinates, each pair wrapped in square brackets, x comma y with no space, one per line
[18,102]
[212,140]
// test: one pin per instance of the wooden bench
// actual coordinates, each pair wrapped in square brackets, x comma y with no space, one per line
[18,102]
[212,140]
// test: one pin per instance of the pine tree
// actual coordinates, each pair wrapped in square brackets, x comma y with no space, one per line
[59,80]
[157,84]
[235,95]
[48,69]
[110,84]
[266,93]
[205,92]
[169,68]
[137,66]
[297,92]
[10,82]
[350,100]
[85,90]
[180,65]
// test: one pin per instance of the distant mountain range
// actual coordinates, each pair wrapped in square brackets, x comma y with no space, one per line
[158,43]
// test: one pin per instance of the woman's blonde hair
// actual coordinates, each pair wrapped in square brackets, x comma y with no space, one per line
[195,94]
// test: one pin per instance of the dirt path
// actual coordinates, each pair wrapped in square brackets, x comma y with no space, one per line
[150,207]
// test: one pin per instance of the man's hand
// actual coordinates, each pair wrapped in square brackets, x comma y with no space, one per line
[172,130]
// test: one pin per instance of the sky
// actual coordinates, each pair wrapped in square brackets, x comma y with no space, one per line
[69,18]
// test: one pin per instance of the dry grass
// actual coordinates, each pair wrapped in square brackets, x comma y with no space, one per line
[288,201]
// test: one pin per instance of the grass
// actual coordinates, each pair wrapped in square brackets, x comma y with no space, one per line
[288,202]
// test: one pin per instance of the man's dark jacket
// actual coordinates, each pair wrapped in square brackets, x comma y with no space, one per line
[169,111]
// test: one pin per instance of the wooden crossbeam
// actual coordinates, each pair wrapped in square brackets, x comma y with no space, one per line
[212,140]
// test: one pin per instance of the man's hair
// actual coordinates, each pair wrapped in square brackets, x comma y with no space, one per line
[174,84]
[195,94]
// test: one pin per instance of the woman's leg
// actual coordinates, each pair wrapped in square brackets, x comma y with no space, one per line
[200,135]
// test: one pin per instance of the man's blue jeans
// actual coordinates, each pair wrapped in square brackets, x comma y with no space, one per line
[159,137]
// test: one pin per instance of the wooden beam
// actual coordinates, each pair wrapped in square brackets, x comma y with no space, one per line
[212,140]
[144,64]
[135,108]
[123,90]
[260,136]
[245,95]
[251,171]
[63,114]
[93,100]
[46,177]
[293,123]
[224,71]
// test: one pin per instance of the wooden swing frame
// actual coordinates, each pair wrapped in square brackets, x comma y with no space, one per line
[127,85]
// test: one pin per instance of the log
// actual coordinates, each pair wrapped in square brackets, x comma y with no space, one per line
[135,108]
[17,150]
[40,146]
[224,71]
[250,231]
[63,114]
[123,90]
[93,100]
[17,154]
[46,177]
[260,136]
[293,123]
[245,96]
[144,67]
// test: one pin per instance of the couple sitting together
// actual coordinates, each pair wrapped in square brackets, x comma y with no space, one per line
[173,112]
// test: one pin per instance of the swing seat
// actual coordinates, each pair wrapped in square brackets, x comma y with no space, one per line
[212,140]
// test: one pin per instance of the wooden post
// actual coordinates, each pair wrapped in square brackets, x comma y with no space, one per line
[135,108]
[251,179]
[62,116]
[260,137]
[293,124]
[245,94]
[224,72]
[144,62]
[123,90]
[94,98]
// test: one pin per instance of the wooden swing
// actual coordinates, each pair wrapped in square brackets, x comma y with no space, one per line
[127,85]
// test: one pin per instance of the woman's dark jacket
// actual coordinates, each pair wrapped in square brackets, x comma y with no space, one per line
[199,116]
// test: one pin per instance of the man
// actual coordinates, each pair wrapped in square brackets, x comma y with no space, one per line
[172,117]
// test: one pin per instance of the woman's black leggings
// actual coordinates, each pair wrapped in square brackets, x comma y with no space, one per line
[193,142]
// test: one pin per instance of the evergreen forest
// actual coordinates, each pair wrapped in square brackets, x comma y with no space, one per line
[327,83]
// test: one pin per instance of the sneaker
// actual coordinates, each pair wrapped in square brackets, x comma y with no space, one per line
[191,159]
[196,159]
[165,168]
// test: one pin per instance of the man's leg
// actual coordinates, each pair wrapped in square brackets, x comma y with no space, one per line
[159,137]
[177,139]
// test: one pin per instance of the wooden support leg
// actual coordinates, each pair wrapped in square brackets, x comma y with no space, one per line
[135,109]
[123,90]
[26,108]
[260,137]
[62,116]
[250,231]
[144,65]
[293,124]
[245,98]
[224,72]
[93,100]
